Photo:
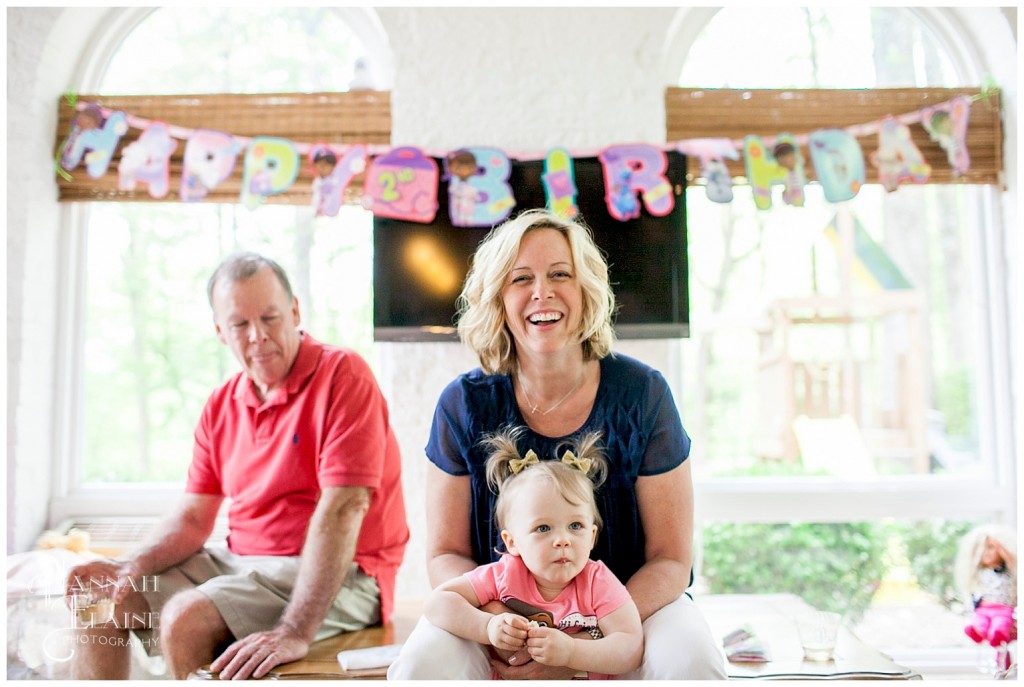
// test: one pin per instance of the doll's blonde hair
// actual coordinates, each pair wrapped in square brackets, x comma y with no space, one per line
[572,483]
[968,557]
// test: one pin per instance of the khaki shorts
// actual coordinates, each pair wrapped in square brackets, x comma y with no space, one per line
[251,593]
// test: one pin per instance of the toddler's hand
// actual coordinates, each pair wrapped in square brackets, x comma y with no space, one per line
[507,631]
[549,646]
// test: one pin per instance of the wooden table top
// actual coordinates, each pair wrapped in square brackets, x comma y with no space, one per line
[772,618]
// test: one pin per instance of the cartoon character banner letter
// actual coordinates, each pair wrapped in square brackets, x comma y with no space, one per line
[560,183]
[271,165]
[92,132]
[946,124]
[766,167]
[633,168]
[148,160]
[710,152]
[209,159]
[332,172]
[402,184]
[898,160]
[478,191]
[839,163]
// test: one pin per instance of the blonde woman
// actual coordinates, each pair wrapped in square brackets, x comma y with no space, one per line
[537,308]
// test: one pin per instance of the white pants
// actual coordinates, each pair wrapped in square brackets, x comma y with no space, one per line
[678,645]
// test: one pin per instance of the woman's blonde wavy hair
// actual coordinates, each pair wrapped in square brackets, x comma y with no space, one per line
[481,313]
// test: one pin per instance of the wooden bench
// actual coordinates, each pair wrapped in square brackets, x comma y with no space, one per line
[769,615]
[321,663]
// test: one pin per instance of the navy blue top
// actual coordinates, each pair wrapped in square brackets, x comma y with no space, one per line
[641,435]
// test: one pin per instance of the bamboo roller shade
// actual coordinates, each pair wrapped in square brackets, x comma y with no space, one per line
[735,113]
[336,118]
[365,117]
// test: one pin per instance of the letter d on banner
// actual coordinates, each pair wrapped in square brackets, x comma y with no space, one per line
[271,165]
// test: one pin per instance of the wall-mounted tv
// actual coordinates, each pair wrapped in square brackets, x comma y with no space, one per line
[418,269]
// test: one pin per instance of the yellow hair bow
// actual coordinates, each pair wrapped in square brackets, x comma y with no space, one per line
[581,464]
[517,464]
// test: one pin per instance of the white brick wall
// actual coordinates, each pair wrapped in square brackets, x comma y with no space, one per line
[42,45]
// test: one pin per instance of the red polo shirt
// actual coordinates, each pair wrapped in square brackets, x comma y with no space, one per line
[327,426]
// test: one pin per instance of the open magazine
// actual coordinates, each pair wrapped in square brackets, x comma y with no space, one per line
[742,645]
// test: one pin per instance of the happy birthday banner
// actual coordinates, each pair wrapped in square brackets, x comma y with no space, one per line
[403,182]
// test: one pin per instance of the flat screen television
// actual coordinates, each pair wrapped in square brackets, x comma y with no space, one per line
[418,269]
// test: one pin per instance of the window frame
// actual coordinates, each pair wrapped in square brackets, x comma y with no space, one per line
[989,496]
[737,499]
[69,497]
[993,495]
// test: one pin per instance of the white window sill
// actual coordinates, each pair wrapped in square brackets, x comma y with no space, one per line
[142,500]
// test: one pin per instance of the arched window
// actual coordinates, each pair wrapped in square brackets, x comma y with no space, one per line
[819,392]
[818,47]
[878,371]
[144,353]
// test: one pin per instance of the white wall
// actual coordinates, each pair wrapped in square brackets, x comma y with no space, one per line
[42,48]
[520,79]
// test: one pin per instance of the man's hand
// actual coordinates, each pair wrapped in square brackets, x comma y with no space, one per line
[101,572]
[507,631]
[255,655]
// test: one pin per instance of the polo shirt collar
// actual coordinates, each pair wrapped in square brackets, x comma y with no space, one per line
[302,369]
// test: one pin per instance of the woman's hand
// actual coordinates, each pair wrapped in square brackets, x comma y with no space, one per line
[532,670]
[521,666]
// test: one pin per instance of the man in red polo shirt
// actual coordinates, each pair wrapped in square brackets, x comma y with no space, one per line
[301,444]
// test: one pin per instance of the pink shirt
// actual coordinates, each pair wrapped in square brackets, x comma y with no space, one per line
[328,426]
[591,595]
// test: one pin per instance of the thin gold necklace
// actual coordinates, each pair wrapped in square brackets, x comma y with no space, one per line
[535,409]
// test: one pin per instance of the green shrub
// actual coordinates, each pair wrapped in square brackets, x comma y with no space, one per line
[930,547]
[834,567]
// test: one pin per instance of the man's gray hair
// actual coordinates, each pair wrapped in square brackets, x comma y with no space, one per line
[243,265]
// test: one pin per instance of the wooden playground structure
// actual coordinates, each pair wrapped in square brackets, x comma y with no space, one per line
[861,404]
[843,381]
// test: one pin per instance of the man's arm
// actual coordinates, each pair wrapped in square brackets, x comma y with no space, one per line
[327,555]
[179,535]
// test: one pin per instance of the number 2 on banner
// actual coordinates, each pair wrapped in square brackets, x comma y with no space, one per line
[402,184]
